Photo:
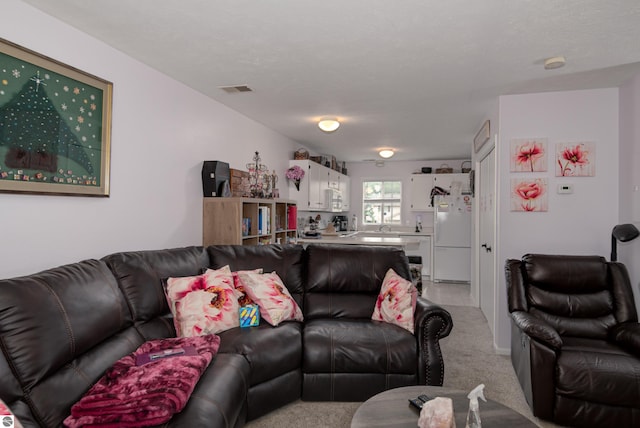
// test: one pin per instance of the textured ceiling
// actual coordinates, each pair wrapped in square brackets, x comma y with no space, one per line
[416,76]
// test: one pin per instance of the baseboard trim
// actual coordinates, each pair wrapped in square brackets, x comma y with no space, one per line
[502,351]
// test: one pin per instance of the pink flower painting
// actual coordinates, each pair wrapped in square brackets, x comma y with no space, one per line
[529,194]
[529,155]
[575,160]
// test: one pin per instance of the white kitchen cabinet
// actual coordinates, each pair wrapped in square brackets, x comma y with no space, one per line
[334,179]
[445,180]
[345,189]
[300,194]
[422,184]
[424,251]
[420,191]
[310,196]
[318,183]
[317,179]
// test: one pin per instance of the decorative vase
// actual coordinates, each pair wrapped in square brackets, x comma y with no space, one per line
[297,183]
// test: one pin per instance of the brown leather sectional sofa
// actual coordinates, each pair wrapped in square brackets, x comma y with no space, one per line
[61,329]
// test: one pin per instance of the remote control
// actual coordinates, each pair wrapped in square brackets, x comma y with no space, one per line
[416,402]
[419,401]
[424,398]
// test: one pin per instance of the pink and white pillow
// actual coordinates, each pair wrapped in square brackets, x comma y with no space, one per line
[243,298]
[203,304]
[271,295]
[396,302]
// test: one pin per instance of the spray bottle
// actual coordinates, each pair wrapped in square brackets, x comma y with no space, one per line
[473,416]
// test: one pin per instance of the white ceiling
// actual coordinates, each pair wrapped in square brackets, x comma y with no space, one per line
[418,76]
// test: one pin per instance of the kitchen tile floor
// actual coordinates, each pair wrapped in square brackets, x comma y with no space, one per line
[447,293]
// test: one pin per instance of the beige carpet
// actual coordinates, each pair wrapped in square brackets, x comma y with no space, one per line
[469,360]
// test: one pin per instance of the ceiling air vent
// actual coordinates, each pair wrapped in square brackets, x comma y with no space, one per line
[235,89]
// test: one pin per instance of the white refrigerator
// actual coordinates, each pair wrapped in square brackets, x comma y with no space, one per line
[452,238]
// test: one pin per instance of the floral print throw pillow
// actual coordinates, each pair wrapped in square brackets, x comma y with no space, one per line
[243,298]
[203,304]
[396,301]
[271,295]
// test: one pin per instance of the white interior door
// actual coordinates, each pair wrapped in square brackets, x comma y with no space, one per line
[487,251]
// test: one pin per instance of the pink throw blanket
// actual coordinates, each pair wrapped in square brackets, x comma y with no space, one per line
[130,395]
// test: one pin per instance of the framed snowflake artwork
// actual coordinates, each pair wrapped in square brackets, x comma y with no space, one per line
[55,126]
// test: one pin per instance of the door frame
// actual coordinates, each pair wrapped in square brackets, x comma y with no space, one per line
[490,146]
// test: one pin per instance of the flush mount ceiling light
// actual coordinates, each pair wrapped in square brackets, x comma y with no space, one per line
[554,62]
[328,125]
[386,153]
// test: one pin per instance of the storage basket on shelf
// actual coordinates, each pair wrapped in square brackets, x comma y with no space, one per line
[466,168]
[444,169]
[301,154]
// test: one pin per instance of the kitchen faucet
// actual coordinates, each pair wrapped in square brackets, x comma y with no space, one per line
[384,227]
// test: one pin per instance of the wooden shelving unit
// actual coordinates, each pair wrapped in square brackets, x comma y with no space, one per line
[236,221]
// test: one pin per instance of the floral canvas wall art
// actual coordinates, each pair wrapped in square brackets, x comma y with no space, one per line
[528,155]
[529,194]
[575,160]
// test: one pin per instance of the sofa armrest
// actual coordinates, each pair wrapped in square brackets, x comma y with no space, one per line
[627,335]
[432,323]
[534,362]
[537,329]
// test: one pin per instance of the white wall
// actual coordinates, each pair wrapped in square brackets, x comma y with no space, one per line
[394,170]
[162,131]
[629,159]
[579,223]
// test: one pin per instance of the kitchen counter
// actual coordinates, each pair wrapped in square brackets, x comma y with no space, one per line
[427,231]
[423,233]
[395,241]
[413,243]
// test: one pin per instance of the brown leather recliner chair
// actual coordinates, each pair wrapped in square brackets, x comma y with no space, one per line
[575,339]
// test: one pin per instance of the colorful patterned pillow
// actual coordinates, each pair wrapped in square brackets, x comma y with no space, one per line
[243,299]
[396,301]
[270,293]
[203,304]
